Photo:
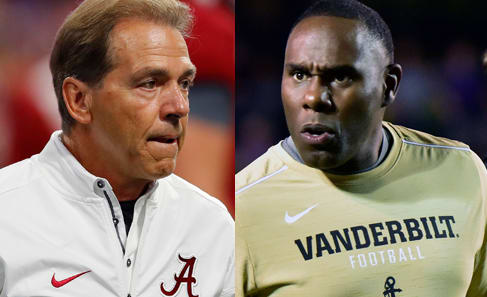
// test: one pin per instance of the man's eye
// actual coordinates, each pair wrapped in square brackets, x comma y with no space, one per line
[186,84]
[299,76]
[342,78]
[148,84]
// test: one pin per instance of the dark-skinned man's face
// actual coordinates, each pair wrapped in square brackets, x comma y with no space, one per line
[333,92]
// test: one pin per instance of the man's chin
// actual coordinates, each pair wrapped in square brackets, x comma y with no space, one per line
[161,169]
[321,160]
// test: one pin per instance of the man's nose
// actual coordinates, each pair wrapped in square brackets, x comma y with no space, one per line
[318,97]
[175,103]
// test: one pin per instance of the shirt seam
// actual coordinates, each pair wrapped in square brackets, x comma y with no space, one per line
[262,179]
[436,145]
[227,291]
[199,192]
[26,184]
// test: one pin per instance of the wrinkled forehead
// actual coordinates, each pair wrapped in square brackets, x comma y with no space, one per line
[139,37]
[327,38]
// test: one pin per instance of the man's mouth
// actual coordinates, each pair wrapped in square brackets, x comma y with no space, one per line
[317,134]
[164,139]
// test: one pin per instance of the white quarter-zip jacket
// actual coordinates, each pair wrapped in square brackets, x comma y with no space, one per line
[62,233]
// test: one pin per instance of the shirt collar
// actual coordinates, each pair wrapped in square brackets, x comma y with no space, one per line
[67,175]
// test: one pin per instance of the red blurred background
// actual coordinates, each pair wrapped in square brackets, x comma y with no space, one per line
[28,106]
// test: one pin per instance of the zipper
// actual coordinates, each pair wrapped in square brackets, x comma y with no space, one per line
[114,220]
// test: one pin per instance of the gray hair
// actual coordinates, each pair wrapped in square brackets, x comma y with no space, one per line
[82,44]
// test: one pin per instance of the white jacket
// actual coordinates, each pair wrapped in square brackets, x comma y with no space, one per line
[62,234]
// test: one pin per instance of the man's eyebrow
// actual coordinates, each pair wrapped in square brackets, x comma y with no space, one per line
[293,66]
[152,72]
[160,72]
[190,72]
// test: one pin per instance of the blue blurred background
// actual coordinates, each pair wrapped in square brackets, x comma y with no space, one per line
[438,43]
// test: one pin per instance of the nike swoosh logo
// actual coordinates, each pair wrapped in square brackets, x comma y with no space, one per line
[291,219]
[58,284]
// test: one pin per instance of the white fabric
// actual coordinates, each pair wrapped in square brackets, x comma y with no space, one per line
[54,219]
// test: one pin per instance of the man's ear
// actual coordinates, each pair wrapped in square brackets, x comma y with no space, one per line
[78,99]
[392,77]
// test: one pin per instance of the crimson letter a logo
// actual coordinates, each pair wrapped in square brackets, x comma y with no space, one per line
[185,276]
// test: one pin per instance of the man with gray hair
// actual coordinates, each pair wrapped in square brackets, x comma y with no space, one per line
[98,212]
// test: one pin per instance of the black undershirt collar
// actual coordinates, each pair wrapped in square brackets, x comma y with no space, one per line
[128,212]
